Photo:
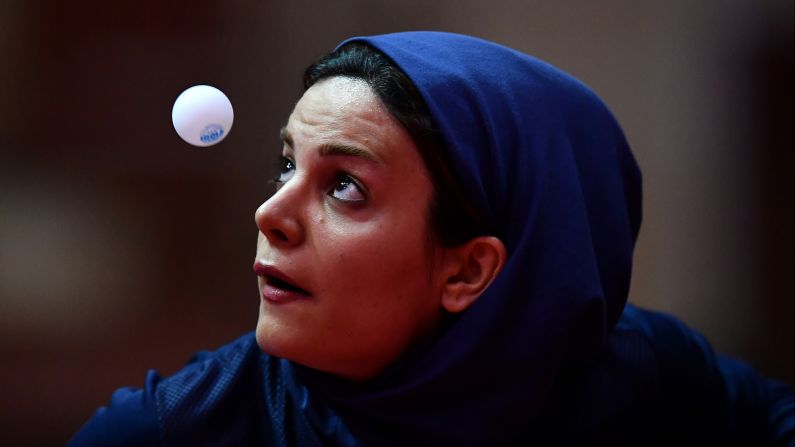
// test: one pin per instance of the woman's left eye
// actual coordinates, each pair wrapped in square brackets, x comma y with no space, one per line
[346,189]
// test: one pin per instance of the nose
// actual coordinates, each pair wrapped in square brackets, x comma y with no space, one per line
[278,219]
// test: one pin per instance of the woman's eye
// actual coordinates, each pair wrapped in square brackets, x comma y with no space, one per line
[286,169]
[346,189]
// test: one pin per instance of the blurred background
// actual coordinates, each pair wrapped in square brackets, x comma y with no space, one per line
[122,248]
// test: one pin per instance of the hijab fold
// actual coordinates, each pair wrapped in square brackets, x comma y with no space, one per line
[544,162]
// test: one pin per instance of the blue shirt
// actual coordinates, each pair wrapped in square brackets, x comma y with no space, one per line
[655,383]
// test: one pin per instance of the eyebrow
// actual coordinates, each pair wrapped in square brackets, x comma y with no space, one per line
[285,136]
[331,149]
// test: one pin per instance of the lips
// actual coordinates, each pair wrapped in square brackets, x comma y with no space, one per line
[278,287]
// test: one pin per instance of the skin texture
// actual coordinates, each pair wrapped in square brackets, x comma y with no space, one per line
[366,262]
[349,225]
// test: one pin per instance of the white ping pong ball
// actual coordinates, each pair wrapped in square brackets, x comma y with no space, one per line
[202,115]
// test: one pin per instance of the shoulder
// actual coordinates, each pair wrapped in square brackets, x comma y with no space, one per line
[668,335]
[684,362]
[686,369]
[208,377]
[654,376]
[214,399]
[704,397]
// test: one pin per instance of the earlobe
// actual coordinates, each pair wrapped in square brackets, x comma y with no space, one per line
[472,267]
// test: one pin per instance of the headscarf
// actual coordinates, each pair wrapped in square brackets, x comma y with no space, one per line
[546,165]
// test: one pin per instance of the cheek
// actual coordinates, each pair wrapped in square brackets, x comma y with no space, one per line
[380,268]
[393,246]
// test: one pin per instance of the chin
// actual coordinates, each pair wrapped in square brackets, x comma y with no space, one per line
[273,341]
[276,341]
[269,341]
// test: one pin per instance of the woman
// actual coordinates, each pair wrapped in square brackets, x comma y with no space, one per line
[446,261]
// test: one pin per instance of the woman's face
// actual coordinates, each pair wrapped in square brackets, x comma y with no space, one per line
[344,257]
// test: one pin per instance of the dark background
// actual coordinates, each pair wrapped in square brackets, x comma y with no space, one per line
[122,248]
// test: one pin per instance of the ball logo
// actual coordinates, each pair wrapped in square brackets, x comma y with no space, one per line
[210,133]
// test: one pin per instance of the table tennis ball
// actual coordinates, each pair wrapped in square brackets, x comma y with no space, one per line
[202,115]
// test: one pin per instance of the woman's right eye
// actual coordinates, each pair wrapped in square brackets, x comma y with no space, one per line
[286,169]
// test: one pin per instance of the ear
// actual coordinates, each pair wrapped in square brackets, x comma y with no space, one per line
[469,269]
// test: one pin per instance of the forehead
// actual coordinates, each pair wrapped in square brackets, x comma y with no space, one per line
[347,111]
[338,97]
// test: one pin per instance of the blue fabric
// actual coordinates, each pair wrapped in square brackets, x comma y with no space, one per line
[235,396]
[546,165]
[655,383]
[539,358]
[129,420]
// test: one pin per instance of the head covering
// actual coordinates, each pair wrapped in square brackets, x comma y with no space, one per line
[547,166]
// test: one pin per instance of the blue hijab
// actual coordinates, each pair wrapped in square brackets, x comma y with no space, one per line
[547,166]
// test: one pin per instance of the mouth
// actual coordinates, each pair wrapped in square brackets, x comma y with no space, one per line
[278,287]
[284,285]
